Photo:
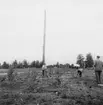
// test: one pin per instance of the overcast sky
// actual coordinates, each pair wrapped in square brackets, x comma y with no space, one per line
[73,27]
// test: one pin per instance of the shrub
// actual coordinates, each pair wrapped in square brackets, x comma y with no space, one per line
[2,79]
[31,83]
[56,82]
[10,74]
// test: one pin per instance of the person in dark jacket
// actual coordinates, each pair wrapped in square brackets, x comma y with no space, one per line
[98,66]
[80,69]
[79,72]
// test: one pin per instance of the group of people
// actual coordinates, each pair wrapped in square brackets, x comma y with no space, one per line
[98,66]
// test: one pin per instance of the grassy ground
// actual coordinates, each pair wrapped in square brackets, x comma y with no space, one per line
[61,87]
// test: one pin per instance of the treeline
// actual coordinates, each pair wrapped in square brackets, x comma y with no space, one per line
[23,64]
[88,60]
[36,64]
[58,65]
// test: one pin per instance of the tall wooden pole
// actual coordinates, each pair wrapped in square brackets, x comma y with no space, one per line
[44,37]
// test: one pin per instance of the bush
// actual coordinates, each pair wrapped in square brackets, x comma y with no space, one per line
[31,83]
[2,79]
[56,82]
[10,74]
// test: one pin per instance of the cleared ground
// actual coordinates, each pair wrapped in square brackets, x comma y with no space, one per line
[60,87]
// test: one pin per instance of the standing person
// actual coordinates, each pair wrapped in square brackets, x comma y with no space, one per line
[98,66]
[44,68]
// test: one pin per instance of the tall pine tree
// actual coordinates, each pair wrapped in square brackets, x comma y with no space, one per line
[89,60]
[80,60]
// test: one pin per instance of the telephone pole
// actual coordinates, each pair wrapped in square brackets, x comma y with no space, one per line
[44,37]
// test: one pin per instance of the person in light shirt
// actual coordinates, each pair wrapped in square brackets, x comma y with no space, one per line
[44,68]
